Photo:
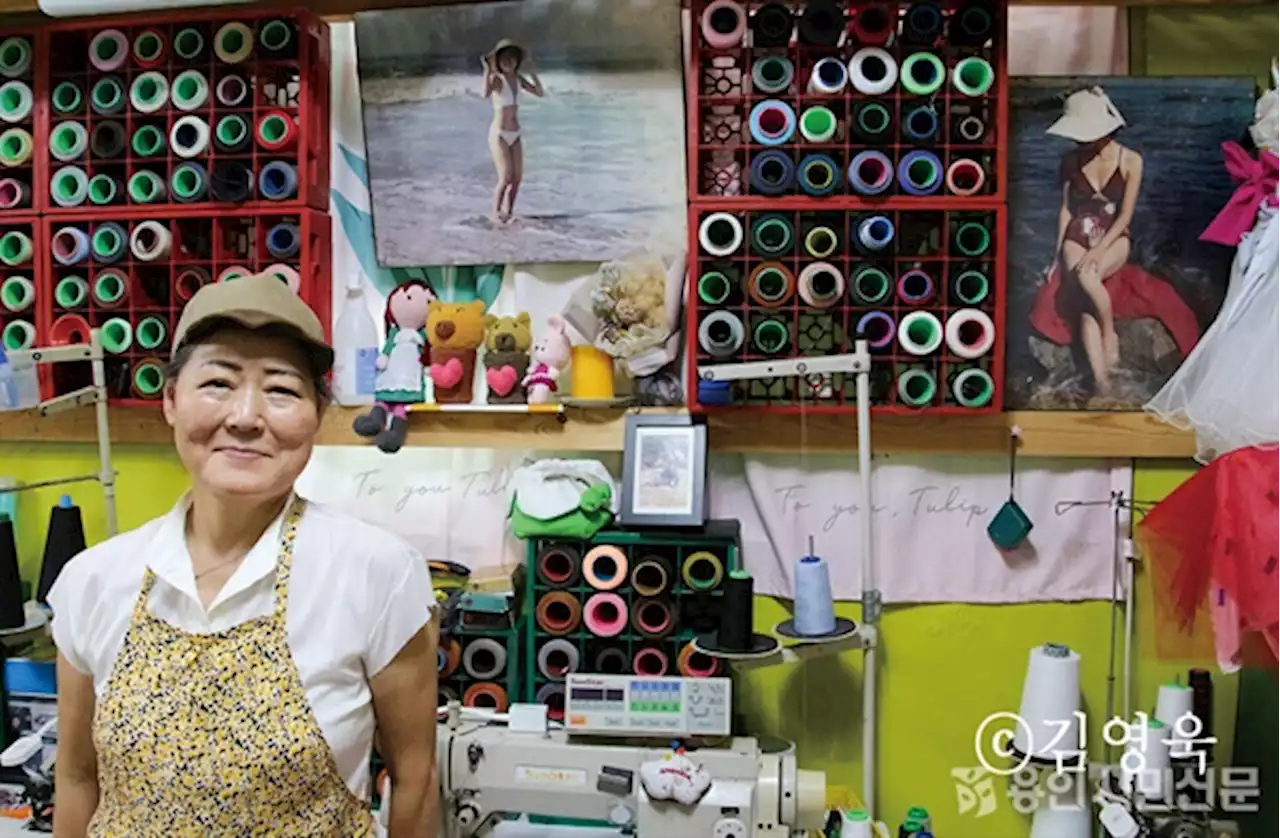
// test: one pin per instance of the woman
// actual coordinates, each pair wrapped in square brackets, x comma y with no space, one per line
[1100,183]
[225,666]
[502,82]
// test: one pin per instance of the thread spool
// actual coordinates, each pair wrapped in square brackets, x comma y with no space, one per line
[855,823]
[971,129]
[277,38]
[736,632]
[1145,760]
[590,373]
[109,242]
[873,24]
[232,182]
[189,183]
[771,336]
[873,71]
[109,288]
[1173,702]
[231,92]
[973,76]
[714,288]
[820,285]
[714,393]
[151,332]
[772,74]
[921,125]
[150,241]
[772,123]
[872,121]
[12,613]
[820,242]
[108,140]
[485,695]
[188,44]
[18,335]
[611,661]
[70,246]
[150,49]
[117,335]
[69,330]
[448,657]
[915,287]
[965,177]
[1050,699]
[147,141]
[149,92]
[653,618]
[828,77]
[874,233]
[922,24]
[771,284]
[15,101]
[821,23]
[71,292]
[16,146]
[278,181]
[651,576]
[605,615]
[66,98]
[189,137]
[484,658]
[558,613]
[64,541]
[14,194]
[148,379]
[15,248]
[877,329]
[818,175]
[814,606]
[231,134]
[146,187]
[772,235]
[552,695]
[190,90]
[702,571]
[920,172]
[605,567]
[720,234]
[108,50]
[920,333]
[870,172]
[277,131]
[723,24]
[233,43]
[922,74]
[557,658]
[917,387]
[15,57]
[817,124]
[972,25]
[721,334]
[68,141]
[107,97]
[970,333]
[1202,700]
[557,565]
[17,293]
[189,281]
[971,287]
[692,663]
[283,241]
[650,662]
[772,172]
[771,25]
[972,239]
[973,388]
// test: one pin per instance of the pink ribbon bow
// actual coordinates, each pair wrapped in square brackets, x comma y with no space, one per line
[1257,179]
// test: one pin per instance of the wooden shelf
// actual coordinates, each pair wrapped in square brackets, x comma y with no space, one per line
[1044,434]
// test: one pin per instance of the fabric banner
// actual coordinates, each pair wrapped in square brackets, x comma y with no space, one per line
[929,524]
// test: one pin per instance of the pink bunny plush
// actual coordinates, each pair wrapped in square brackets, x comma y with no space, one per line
[550,355]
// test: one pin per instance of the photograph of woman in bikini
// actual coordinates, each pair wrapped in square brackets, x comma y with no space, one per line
[1109,288]
[504,81]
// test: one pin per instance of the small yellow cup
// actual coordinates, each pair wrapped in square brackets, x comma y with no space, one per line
[591,374]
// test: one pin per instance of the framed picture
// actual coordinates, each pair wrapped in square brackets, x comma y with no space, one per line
[664,472]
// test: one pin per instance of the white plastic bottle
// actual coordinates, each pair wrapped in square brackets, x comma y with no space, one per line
[355,350]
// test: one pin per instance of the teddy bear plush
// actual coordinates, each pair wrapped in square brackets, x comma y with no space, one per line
[455,331]
[550,355]
[507,341]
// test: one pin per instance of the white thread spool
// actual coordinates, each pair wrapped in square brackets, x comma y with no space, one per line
[1050,701]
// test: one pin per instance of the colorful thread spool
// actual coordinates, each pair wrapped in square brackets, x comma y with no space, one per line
[702,571]
[653,618]
[650,662]
[605,615]
[484,658]
[605,567]
[558,566]
[591,373]
[558,613]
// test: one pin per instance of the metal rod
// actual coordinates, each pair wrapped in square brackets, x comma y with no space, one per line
[1129,567]
[869,614]
[106,474]
[43,484]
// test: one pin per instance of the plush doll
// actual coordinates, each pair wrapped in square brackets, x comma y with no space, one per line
[507,341]
[550,356]
[455,331]
[399,382]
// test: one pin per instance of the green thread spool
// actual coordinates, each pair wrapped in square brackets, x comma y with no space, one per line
[821,242]
[771,285]
[151,332]
[146,187]
[107,96]
[871,285]
[71,292]
[922,73]
[67,98]
[275,35]
[148,46]
[188,43]
[771,336]
[714,288]
[68,140]
[917,387]
[973,388]
[189,91]
[107,243]
[15,248]
[972,238]
[972,287]
[772,74]
[873,119]
[272,129]
[102,189]
[973,76]
[117,335]
[15,56]
[16,146]
[148,141]
[109,288]
[772,235]
[148,379]
[17,293]
[19,335]
[818,124]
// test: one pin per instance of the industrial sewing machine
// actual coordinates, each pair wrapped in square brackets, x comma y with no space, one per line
[590,769]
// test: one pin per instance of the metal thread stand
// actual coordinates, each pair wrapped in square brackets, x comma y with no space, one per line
[866,637]
[96,395]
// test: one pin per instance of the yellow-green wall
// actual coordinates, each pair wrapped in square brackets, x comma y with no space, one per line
[944,668]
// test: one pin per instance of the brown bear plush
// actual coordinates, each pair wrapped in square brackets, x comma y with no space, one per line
[506,356]
[454,331]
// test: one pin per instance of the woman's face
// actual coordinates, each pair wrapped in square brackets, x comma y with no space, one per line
[508,60]
[244,413]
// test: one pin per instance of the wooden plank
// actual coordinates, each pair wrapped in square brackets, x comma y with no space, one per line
[1122,435]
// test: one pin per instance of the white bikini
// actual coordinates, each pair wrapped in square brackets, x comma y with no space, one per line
[504,97]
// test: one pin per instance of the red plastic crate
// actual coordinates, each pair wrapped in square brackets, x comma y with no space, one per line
[20,291]
[926,243]
[203,247]
[22,90]
[292,84]
[721,94]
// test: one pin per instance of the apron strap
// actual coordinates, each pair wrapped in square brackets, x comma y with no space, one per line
[284,562]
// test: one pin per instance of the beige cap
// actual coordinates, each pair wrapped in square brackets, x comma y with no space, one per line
[254,302]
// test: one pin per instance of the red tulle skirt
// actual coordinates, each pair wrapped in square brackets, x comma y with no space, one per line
[1135,293]
[1212,547]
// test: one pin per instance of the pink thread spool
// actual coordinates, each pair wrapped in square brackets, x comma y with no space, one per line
[605,615]
[651,662]
[724,24]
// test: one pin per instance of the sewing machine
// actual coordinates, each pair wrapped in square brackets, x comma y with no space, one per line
[590,769]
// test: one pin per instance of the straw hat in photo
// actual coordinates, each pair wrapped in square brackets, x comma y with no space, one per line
[1087,116]
[506,43]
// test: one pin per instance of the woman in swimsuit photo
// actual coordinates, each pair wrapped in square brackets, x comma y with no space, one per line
[504,80]
[1100,181]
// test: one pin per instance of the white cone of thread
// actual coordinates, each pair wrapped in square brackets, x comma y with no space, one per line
[1172,703]
[1146,759]
[855,823]
[1050,700]
[815,607]
[1063,813]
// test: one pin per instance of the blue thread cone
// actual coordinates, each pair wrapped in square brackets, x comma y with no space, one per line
[815,609]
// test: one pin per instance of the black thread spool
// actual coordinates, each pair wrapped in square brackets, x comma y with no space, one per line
[1201,683]
[923,24]
[231,182]
[771,26]
[822,23]
[737,616]
[11,613]
[972,25]
[64,541]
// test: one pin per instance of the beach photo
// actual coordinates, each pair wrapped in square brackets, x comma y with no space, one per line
[532,131]
[1111,182]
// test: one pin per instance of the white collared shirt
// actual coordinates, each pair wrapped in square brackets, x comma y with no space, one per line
[357,594]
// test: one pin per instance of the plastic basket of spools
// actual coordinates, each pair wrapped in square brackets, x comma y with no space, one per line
[21,168]
[197,112]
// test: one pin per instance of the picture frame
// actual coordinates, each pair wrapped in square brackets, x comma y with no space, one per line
[664,472]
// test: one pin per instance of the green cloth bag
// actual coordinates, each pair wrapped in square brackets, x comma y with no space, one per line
[593,514]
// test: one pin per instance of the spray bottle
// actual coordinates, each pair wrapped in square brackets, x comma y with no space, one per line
[355,349]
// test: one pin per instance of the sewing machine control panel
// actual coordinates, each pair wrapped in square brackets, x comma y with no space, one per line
[629,705]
